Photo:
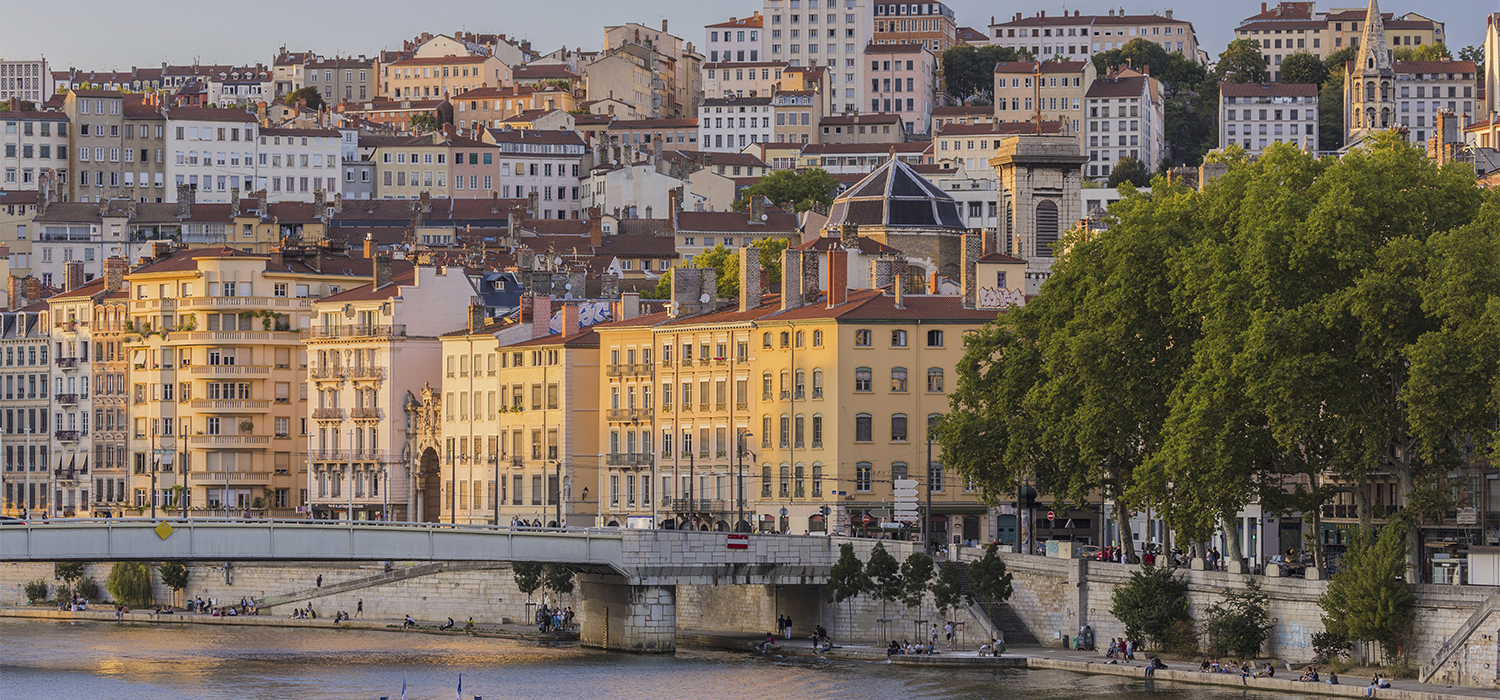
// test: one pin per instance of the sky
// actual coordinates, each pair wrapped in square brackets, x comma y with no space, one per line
[115,35]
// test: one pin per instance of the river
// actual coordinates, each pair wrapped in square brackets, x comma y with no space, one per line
[45,660]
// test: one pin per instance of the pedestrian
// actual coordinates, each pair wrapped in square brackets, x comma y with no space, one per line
[1130,650]
[948,633]
[359,608]
[933,647]
[320,580]
[780,625]
[788,626]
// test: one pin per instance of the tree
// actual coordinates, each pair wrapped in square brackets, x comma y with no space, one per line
[129,583]
[885,577]
[789,189]
[1151,605]
[558,579]
[1242,62]
[948,590]
[1331,112]
[916,575]
[848,578]
[88,588]
[1473,53]
[425,122]
[309,96]
[528,577]
[173,575]
[1130,169]
[1425,52]
[1367,600]
[726,262]
[1303,68]
[68,571]
[969,72]
[35,591]
[1138,53]
[1239,625]
[992,582]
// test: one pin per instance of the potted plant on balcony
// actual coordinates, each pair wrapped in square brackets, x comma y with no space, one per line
[246,425]
[188,323]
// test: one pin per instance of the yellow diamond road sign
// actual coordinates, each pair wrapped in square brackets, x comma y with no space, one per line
[164,530]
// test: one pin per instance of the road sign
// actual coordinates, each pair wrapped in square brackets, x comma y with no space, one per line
[905,483]
[904,494]
[867,520]
[737,542]
[824,510]
[783,511]
[1051,516]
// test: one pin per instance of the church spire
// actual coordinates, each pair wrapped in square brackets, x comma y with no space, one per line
[1374,55]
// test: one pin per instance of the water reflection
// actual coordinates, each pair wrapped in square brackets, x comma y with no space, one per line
[146,662]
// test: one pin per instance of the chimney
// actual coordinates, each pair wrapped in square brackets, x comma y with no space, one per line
[811,284]
[186,194]
[72,275]
[476,314]
[382,269]
[973,250]
[569,320]
[991,241]
[370,246]
[934,283]
[757,210]
[750,289]
[596,227]
[849,236]
[838,277]
[630,306]
[791,279]
[320,205]
[692,290]
[881,273]
[541,316]
[234,202]
[664,26]
[33,289]
[115,268]
[1262,8]
[17,289]
[898,287]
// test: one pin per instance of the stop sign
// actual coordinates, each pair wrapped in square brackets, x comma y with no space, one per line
[867,520]
[1051,516]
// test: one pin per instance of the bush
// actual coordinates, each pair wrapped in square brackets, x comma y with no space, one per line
[1330,646]
[1239,625]
[1367,600]
[88,588]
[991,581]
[129,583]
[36,591]
[1150,605]
[173,575]
[67,571]
[1181,638]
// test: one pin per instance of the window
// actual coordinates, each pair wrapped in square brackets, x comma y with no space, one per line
[785,481]
[898,379]
[786,339]
[863,431]
[934,339]
[898,339]
[765,481]
[765,340]
[935,380]
[898,427]
[862,338]
[862,379]
[817,388]
[862,476]
[817,339]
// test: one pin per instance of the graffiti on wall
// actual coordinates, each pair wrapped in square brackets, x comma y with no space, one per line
[993,298]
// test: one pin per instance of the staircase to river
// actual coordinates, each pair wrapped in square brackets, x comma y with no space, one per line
[1004,618]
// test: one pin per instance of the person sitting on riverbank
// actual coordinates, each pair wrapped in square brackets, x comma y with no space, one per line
[1153,665]
[1114,647]
[1268,672]
[765,646]
[1206,667]
[1309,676]
[409,623]
[893,649]
[446,627]
[469,626]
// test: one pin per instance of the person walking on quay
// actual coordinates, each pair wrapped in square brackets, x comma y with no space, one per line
[359,608]
[932,648]
[1130,649]
[320,580]
[788,626]
[780,625]
[948,632]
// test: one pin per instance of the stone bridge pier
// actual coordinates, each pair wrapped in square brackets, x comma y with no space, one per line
[622,616]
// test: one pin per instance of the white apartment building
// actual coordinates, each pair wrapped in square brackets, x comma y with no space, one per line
[830,33]
[294,164]
[35,150]
[1423,88]
[548,163]
[730,124]
[740,40]
[902,81]
[741,79]
[1125,118]
[25,79]
[212,150]
[1256,115]
[1078,36]
[24,403]
[72,440]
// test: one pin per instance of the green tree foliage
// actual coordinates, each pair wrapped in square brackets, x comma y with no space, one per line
[947,590]
[1425,52]
[916,577]
[1239,624]
[790,189]
[36,591]
[173,575]
[1367,600]
[68,571]
[1473,53]
[425,122]
[1331,99]
[311,98]
[1139,54]
[969,71]
[528,576]
[1242,62]
[1303,68]
[992,583]
[848,577]
[1151,605]
[88,588]
[557,578]
[129,583]
[885,577]
[726,262]
[1130,169]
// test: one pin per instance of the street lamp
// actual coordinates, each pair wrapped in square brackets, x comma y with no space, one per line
[740,448]
[557,497]
[153,472]
[494,495]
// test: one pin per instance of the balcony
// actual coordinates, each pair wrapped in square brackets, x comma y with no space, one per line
[721,406]
[67,363]
[245,478]
[355,331]
[699,505]
[369,413]
[326,372]
[153,304]
[66,399]
[68,435]
[361,455]
[328,414]
[246,303]
[365,372]
[69,474]
[703,408]
[517,462]
[626,415]
[628,459]
[230,370]
[226,440]
[741,406]
[236,405]
[643,369]
[687,362]
[201,336]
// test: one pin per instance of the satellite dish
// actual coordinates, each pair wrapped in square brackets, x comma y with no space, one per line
[557,260]
[703,298]
[568,285]
[765,217]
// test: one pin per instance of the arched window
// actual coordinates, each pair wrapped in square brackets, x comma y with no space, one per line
[799,432]
[800,491]
[1385,91]
[862,338]
[817,339]
[898,379]
[799,386]
[765,386]
[1046,227]
[817,478]
[862,428]
[785,434]
[801,339]
[817,387]
[786,479]
[898,471]
[935,380]
[1370,88]
[932,421]
[765,340]
[817,431]
[765,431]
[862,476]
[786,385]
[898,339]
[786,339]
[765,481]
[898,427]
[1385,117]
[862,377]
[934,339]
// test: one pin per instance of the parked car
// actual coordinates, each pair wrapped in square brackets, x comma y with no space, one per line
[1289,567]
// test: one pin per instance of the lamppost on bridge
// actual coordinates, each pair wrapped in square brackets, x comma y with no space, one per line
[557,497]
[740,448]
[495,494]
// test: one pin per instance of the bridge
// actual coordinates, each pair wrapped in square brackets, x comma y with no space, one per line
[627,577]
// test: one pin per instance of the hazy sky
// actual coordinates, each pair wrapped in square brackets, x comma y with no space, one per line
[114,35]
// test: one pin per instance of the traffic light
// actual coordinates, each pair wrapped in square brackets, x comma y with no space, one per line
[825,510]
[1028,497]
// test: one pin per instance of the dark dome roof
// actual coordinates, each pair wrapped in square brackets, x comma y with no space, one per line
[897,196]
